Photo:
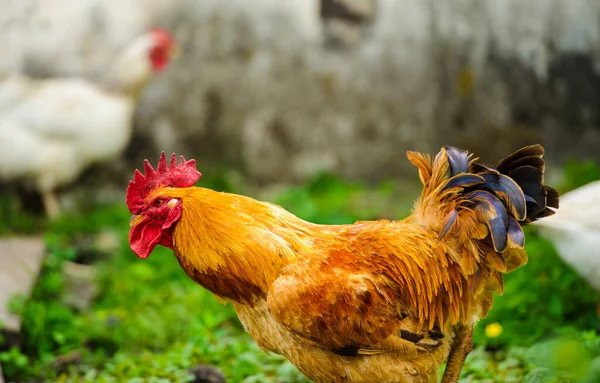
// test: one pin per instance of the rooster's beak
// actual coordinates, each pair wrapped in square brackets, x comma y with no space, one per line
[175,51]
[135,219]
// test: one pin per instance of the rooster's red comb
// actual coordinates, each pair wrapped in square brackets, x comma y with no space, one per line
[172,175]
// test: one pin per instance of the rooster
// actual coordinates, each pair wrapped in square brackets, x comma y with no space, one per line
[375,301]
[52,129]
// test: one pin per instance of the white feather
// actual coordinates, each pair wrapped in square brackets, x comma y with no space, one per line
[575,231]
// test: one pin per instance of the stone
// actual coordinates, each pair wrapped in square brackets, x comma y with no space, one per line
[80,285]
[206,374]
[21,260]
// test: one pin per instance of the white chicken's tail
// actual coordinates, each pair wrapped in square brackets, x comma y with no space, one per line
[575,231]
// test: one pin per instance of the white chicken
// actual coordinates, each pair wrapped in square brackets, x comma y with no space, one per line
[575,231]
[52,129]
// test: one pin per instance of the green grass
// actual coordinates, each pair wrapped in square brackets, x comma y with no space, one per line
[151,323]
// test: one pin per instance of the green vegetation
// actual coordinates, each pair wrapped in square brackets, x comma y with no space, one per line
[150,323]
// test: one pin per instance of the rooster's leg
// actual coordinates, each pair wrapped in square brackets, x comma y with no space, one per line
[50,204]
[462,346]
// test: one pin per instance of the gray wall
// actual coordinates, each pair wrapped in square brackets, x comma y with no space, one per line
[261,87]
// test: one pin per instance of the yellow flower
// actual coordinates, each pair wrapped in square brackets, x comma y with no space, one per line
[493,330]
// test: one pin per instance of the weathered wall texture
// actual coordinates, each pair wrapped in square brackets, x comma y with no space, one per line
[261,86]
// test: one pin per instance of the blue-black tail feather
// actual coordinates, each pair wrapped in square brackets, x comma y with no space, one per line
[504,197]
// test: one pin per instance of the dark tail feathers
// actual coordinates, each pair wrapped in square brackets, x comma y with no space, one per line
[505,197]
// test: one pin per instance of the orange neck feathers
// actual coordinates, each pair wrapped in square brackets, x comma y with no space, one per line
[233,245]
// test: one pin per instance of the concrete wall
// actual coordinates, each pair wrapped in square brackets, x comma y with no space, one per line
[258,87]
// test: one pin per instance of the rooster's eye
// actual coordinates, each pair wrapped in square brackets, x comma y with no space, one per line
[158,202]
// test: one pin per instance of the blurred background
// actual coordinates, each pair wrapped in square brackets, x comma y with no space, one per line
[310,104]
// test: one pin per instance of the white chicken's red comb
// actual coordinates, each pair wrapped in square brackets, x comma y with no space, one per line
[172,175]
